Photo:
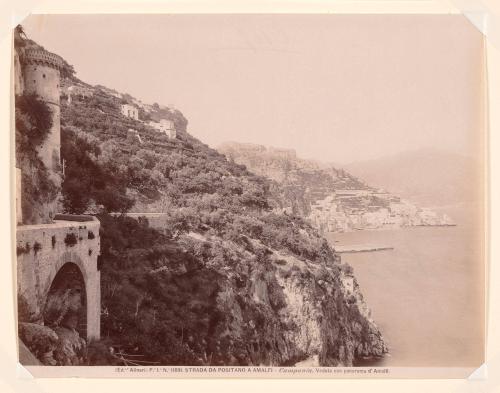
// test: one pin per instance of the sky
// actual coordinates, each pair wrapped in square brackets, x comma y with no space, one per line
[336,88]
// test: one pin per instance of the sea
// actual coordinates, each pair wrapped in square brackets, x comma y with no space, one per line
[427,293]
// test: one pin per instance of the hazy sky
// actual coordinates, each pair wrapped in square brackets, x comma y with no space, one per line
[335,88]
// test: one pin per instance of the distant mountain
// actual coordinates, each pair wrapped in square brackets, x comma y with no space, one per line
[429,177]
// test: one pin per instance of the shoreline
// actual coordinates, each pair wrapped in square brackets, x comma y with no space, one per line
[388,228]
[360,248]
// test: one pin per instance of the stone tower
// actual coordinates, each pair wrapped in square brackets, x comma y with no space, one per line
[41,75]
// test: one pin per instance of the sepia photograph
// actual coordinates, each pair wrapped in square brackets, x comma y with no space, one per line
[290,195]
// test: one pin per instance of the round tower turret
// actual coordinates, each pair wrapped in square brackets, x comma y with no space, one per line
[41,74]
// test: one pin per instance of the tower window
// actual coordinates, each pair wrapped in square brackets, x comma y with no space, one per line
[44,75]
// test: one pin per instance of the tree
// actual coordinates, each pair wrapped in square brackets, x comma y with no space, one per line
[89,181]
[33,122]
[19,36]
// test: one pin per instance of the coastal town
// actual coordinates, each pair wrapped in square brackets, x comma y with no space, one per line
[331,198]
[350,210]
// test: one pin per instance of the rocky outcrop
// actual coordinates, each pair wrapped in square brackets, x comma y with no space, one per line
[285,310]
[40,340]
[60,346]
[26,357]
[70,349]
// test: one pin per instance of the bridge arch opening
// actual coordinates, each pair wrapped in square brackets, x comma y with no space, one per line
[66,303]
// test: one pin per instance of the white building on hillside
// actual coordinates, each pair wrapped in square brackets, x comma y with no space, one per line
[165,126]
[130,111]
[81,92]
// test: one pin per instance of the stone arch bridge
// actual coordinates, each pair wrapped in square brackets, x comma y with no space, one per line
[60,260]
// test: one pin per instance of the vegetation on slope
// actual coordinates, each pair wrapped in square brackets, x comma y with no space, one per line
[214,301]
[159,291]
[33,123]
[300,182]
[221,285]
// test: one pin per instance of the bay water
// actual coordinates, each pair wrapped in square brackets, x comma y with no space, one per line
[426,294]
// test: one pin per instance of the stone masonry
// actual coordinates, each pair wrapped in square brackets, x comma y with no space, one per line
[42,250]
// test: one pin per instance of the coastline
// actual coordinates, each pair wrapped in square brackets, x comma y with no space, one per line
[360,248]
[356,248]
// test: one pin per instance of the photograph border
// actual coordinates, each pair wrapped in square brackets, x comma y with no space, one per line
[486,20]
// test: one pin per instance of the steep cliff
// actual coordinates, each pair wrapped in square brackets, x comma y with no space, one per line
[204,299]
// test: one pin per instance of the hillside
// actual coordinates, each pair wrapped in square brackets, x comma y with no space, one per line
[330,198]
[429,176]
[229,280]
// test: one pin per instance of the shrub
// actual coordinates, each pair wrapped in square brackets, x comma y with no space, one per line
[23,250]
[37,247]
[70,240]
[33,122]
[99,353]
[346,268]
